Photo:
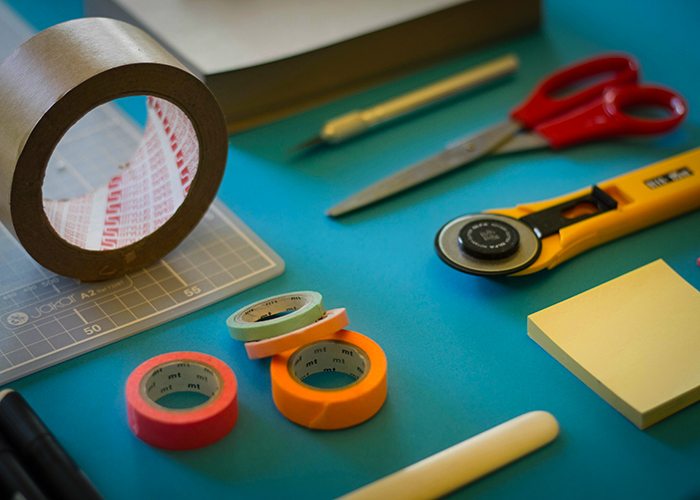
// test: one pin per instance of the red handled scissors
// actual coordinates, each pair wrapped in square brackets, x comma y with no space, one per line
[594,111]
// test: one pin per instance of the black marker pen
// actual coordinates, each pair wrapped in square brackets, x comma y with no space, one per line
[15,483]
[40,452]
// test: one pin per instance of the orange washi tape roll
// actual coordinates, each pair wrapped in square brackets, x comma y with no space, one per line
[344,351]
[182,429]
[331,322]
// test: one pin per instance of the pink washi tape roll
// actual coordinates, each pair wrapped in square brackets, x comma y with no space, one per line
[182,429]
[332,321]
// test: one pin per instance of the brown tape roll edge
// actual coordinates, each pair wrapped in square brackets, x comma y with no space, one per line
[46,86]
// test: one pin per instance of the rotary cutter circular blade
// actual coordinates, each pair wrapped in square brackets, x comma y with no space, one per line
[487,244]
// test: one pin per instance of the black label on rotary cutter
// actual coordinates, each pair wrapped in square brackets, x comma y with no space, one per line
[489,239]
[662,180]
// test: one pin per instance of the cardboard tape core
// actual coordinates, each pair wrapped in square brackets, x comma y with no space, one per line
[276,316]
[275,308]
[329,356]
[42,97]
[180,376]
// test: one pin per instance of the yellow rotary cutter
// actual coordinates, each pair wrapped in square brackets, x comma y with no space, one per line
[531,237]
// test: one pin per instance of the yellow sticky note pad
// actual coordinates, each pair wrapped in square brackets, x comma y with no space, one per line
[634,340]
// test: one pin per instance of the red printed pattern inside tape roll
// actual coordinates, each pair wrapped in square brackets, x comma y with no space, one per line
[143,196]
[182,429]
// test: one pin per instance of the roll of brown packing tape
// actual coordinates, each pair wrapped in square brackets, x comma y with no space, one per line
[145,211]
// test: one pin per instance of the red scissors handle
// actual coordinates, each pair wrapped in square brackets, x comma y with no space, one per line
[605,117]
[594,74]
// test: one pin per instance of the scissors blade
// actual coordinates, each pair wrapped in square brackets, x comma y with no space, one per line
[524,141]
[455,155]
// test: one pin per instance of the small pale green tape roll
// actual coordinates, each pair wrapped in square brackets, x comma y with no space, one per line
[275,316]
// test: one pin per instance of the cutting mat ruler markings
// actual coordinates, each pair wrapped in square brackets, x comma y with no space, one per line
[46,318]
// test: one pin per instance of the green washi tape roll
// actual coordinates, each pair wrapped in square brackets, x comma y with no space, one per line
[276,316]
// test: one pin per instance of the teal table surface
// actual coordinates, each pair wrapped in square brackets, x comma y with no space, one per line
[459,357]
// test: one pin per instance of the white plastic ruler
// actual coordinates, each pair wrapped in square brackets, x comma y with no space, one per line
[46,318]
